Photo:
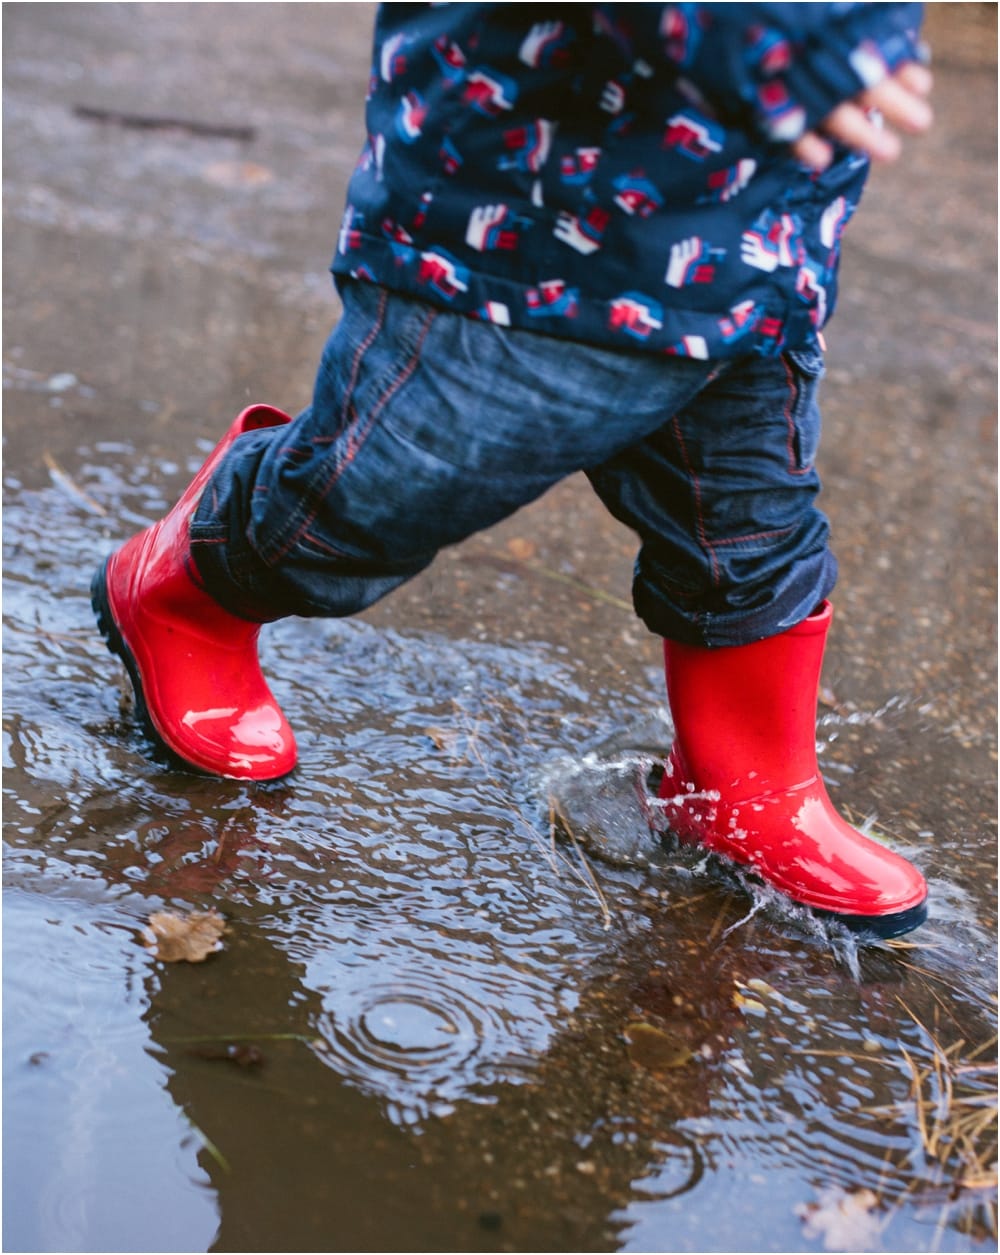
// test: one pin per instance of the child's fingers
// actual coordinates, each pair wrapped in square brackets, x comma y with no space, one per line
[901,101]
[813,150]
[915,78]
[851,125]
[899,105]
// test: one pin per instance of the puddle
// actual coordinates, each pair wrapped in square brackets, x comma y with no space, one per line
[467,1000]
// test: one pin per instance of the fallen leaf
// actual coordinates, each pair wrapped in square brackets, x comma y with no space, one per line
[760,987]
[521,548]
[654,1048]
[751,1005]
[845,1221]
[189,938]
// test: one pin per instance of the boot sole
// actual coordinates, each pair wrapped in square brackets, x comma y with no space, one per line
[115,642]
[882,926]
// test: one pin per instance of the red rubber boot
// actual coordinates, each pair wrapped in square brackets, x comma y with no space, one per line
[742,780]
[198,684]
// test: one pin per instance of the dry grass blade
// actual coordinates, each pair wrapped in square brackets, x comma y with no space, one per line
[210,1147]
[991,1044]
[954,1103]
[83,636]
[723,913]
[597,594]
[556,813]
[60,478]
[917,1096]
[906,943]
[688,902]
[951,1106]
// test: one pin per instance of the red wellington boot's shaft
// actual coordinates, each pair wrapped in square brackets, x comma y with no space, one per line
[742,779]
[745,717]
[193,665]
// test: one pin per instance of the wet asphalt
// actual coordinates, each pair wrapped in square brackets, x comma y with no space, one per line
[175,274]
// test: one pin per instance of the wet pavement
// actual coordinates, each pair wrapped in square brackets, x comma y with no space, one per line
[466,1000]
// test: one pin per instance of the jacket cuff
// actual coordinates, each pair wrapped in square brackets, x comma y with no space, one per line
[797,83]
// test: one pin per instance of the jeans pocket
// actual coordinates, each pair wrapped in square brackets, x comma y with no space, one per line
[805,370]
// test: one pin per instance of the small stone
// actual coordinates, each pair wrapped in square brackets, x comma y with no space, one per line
[61,382]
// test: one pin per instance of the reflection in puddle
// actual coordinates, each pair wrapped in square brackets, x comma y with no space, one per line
[444,930]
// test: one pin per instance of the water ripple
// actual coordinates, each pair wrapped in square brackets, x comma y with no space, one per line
[421,1031]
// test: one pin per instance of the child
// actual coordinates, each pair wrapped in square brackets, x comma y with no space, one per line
[580,237]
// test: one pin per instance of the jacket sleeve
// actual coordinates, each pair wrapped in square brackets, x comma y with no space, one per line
[774,69]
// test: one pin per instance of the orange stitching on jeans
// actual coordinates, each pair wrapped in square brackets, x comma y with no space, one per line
[358,436]
[363,348]
[738,540]
[332,550]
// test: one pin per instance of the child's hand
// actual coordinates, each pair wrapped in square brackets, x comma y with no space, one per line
[901,99]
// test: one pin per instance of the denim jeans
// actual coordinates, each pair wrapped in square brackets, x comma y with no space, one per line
[426,427]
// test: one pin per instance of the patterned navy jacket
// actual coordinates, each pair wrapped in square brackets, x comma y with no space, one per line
[617,174]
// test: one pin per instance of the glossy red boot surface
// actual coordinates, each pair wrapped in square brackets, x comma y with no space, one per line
[742,780]
[194,666]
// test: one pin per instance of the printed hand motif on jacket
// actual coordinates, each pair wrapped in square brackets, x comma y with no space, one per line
[617,174]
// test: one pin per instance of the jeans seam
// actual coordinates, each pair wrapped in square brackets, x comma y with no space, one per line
[356,437]
[739,540]
[793,467]
[359,356]
[332,550]
[703,540]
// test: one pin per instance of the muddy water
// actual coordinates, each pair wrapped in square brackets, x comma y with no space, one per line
[467,1000]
